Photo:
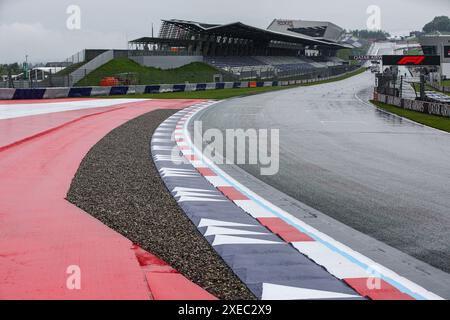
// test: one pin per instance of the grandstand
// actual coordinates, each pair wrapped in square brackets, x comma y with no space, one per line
[285,49]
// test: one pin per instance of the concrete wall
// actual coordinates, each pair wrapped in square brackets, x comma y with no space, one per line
[166,62]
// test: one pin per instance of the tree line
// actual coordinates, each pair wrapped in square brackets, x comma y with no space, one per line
[439,24]
[15,68]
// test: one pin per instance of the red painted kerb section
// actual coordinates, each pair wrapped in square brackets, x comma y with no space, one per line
[42,235]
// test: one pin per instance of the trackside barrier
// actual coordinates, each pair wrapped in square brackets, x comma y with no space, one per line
[54,93]
[220,85]
[29,94]
[415,105]
[100,91]
[152,89]
[229,85]
[179,88]
[7,94]
[201,86]
[165,88]
[116,91]
[77,92]
[191,87]
[80,92]
[139,89]
[210,86]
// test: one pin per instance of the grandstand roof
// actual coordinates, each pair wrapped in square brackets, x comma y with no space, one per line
[319,30]
[241,30]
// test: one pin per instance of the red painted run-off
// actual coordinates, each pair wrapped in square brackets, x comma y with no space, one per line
[42,235]
[166,283]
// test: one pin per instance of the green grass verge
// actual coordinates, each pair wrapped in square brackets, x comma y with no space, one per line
[224,93]
[193,73]
[446,83]
[438,122]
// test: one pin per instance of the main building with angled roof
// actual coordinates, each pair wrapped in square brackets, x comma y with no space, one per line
[286,47]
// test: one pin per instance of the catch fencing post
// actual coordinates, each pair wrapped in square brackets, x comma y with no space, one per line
[401,86]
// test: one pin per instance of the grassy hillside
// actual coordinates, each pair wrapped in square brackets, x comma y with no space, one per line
[194,73]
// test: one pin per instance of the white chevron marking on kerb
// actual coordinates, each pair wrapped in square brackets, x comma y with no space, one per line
[279,292]
[175,172]
[163,130]
[202,195]
[224,239]
[228,231]
[161,140]
[218,223]
[162,134]
[168,158]
[162,148]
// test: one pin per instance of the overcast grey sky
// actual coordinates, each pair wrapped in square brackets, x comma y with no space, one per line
[38,27]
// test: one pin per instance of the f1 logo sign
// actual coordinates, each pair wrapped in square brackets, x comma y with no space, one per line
[411,60]
[393,60]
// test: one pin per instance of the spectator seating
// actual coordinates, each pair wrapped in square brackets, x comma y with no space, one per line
[269,66]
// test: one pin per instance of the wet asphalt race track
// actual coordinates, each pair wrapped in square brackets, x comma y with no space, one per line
[384,176]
